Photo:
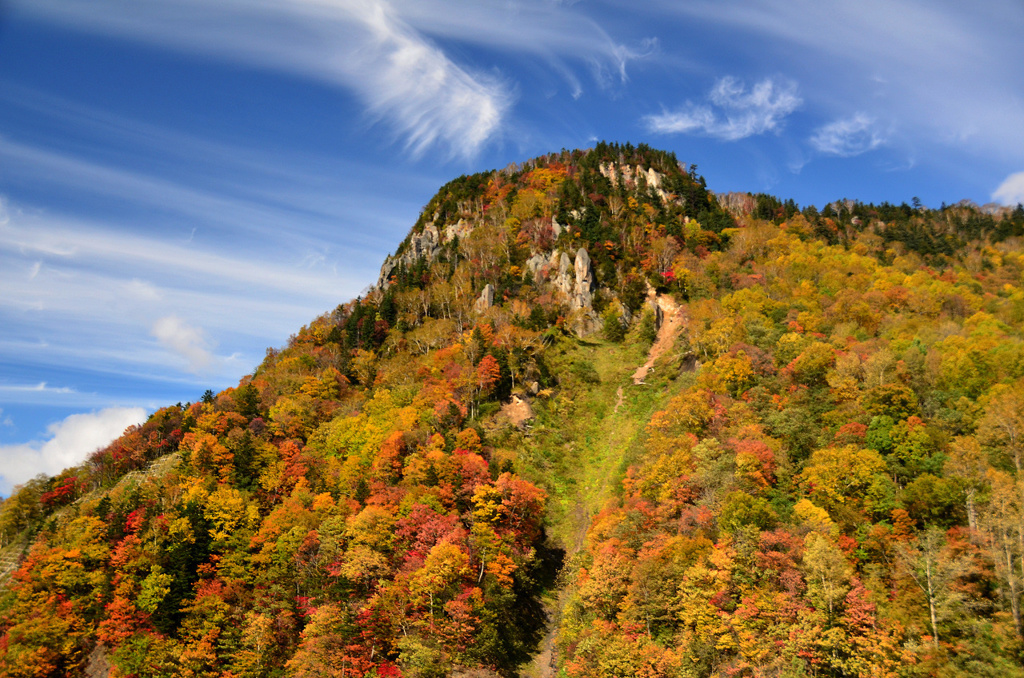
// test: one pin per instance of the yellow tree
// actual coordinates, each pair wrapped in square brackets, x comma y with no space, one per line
[1003,521]
[327,649]
[966,462]
[934,569]
[430,586]
[1003,424]
[837,478]
[827,573]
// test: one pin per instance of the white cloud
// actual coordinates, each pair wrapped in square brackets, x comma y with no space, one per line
[556,32]
[142,290]
[848,136]
[940,69]
[42,393]
[621,56]
[41,387]
[279,238]
[100,292]
[392,54]
[734,112]
[69,442]
[405,78]
[364,46]
[1011,191]
[186,341]
[79,251]
[220,205]
[206,179]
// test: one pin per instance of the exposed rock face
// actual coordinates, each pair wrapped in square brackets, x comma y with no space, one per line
[426,243]
[457,230]
[386,269]
[583,289]
[581,301]
[557,228]
[486,299]
[518,411]
[659,316]
[422,245]
[570,277]
[558,266]
[536,264]
[631,175]
[738,204]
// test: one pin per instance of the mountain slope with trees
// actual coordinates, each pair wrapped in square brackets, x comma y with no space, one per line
[820,475]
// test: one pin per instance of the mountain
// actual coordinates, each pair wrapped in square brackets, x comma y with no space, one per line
[592,420]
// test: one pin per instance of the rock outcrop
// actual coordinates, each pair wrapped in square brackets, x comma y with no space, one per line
[570,278]
[583,287]
[486,299]
[631,175]
[537,265]
[557,228]
[459,229]
[422,245]
[561,279]
[738,204]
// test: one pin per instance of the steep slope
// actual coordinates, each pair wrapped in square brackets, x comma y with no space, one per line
[672,320]
[758,442]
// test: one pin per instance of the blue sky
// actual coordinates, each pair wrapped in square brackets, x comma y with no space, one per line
[184,183]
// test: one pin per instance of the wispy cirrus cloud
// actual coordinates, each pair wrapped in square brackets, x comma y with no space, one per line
[41,387]
[401,58]
[405,78]
[401,76]
[558,33]
[940,69]
[80,249]
[92,296]
[848,137]
[732,112]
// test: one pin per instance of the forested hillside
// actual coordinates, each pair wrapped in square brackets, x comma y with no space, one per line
[464,472]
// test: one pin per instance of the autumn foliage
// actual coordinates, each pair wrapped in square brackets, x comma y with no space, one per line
[822,476]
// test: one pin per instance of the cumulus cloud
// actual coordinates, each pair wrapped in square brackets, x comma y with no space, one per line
[184,340]
[1011,191]
[847,137]
[732,112]
[69,442]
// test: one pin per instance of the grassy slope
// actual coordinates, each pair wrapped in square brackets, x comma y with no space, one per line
[583,441]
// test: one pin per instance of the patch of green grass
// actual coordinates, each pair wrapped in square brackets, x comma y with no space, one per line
[588,433]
